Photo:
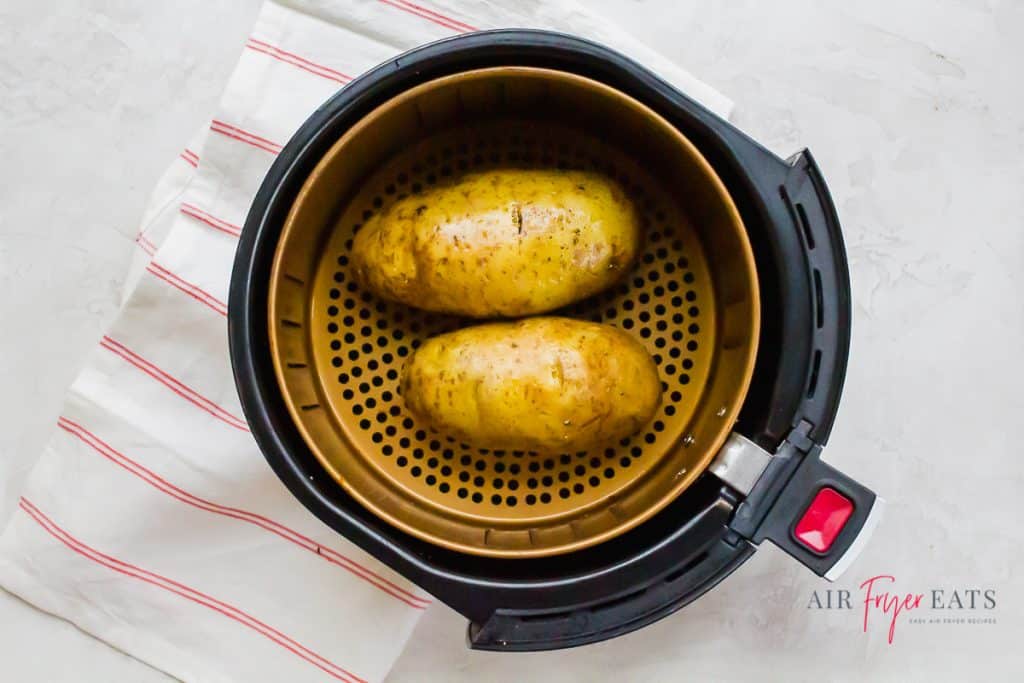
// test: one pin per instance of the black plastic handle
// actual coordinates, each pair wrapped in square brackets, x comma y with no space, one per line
[810,477]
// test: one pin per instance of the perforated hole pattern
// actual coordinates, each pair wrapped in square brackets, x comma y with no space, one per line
[370,339]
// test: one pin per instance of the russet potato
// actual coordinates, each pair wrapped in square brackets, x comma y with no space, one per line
[502,243]
[546,384]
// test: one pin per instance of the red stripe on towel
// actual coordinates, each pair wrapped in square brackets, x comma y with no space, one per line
[158,482]
[295,60]
[214,222]
[145,244]
[427,11]
[186,592]
[430,15]
[175,385]
[187,287]
[245,136]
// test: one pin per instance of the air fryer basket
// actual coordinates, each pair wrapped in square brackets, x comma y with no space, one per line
[338,350]
[706,532]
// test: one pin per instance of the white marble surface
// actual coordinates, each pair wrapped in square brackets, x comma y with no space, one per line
[914,111]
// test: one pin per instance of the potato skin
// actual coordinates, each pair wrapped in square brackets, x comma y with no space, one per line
[503,243]
[549,385]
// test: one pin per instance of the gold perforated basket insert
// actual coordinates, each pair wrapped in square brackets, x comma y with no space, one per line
[338,350]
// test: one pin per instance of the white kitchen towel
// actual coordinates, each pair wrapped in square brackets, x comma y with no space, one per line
[151,520]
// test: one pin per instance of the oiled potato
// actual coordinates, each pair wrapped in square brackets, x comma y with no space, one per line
[500,243]
[550,384]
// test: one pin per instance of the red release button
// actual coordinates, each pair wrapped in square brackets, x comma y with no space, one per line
[823,519]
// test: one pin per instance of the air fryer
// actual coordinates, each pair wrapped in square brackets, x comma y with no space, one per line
[741,295]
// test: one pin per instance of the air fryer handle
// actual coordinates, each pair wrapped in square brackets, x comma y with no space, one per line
[822,517]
